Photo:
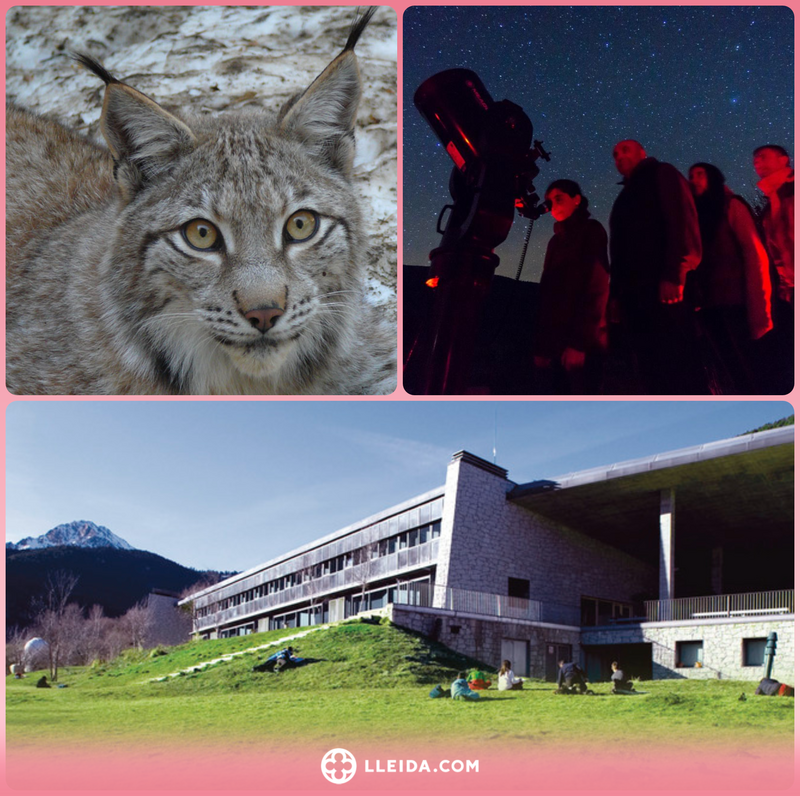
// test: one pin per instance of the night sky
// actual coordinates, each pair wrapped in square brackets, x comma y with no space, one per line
[691,84]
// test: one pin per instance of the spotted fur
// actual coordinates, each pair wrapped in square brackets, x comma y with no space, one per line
[106,294]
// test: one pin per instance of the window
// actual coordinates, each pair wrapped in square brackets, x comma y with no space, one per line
[595,611]
[753,651]
[519,587]
[689,654]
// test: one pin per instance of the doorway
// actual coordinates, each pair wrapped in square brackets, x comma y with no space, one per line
[518,652]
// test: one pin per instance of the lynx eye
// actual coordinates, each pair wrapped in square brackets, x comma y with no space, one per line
[301,225]
[201,234]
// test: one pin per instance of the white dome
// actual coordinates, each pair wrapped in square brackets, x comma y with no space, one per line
[34,646]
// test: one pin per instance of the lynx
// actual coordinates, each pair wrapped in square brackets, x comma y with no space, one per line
[193,255]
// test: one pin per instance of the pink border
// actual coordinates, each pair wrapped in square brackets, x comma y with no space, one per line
[523,768]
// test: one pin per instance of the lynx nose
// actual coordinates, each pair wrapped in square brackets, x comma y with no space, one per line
[263,318]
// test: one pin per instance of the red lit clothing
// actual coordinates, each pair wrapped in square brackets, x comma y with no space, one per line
[735,267]
[654,239]
[778,222]
[574,288]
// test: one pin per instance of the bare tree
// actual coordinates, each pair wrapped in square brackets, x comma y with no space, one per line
[97,626]
[311,585]
[367,565]
[135,622]
[15,646]
[190,607]
[50,614]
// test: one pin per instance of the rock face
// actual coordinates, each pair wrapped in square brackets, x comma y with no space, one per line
[80,533]
[220,59]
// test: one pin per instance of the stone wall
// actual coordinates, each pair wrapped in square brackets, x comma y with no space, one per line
[482,637]
[722,646]
[486,540]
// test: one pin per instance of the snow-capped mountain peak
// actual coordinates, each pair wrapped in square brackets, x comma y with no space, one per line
[81,533]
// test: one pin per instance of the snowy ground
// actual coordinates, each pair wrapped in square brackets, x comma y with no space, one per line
[213,59]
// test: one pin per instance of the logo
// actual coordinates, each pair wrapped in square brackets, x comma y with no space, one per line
[339,766]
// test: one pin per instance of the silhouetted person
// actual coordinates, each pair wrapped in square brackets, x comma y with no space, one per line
[776,182]
[570,323]
[732,282]
[655,243]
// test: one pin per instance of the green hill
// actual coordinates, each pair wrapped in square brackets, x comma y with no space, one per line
[358,654]
[368,682]
[784,421]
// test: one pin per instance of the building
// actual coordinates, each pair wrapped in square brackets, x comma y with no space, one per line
[679,565]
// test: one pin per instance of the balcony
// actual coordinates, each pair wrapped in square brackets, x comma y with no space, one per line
[463,601]
[753,605]
[314,590]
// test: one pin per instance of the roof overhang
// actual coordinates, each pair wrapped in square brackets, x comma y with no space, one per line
[728,492]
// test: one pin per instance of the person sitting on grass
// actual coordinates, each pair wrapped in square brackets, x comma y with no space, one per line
[460,688]
[620,680]
[571,678]
[506,680]
[478,680]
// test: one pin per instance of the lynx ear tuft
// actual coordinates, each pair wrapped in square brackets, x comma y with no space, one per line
[324,116]
[144,139]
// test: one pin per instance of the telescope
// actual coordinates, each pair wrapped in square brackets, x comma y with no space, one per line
[490,144]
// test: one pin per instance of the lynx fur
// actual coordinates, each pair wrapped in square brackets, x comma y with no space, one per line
[201,255]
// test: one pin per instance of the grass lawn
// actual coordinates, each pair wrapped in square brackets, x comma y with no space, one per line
[367,682]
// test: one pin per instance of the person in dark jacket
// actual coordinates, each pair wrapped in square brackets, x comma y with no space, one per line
[570,333]
[776,181]
[570,677]
[654,245]
[619,680]
[732,282]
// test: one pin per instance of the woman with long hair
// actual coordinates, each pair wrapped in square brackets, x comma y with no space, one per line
[570,330]
[732,282]
[506,681]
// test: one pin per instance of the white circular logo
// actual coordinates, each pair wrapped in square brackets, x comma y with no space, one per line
[339,766]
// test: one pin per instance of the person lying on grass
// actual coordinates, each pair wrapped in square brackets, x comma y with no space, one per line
[460,688]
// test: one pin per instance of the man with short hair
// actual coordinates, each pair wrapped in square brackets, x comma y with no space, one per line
[776,181]
[654,245]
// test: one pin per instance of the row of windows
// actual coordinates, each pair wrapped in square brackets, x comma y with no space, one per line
[384,547]
[596,612]
[689,654]
[353,604]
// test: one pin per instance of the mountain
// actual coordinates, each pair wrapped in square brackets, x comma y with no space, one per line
[107,576]
[80,533]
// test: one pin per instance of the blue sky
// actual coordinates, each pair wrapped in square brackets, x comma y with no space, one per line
[230,484]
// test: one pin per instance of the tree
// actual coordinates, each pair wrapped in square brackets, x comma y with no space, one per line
[15,647]
[53,622]
[210,579]
[367,565]
[136,622]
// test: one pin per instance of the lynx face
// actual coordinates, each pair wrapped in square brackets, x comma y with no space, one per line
[199,255]
[235,249]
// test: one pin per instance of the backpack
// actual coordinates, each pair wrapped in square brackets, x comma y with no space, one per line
[768,687]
